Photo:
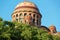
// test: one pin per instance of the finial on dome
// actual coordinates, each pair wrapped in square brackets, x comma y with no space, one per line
[25,0]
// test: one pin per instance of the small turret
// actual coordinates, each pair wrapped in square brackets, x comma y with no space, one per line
[52,29]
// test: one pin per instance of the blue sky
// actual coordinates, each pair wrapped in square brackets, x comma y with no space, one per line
[50,10]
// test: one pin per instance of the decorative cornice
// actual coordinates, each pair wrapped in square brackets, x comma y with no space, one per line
[26,7]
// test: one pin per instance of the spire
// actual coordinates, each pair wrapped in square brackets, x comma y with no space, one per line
[25,0]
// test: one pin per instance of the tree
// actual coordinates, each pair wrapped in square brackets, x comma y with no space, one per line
[20,31]
[1,19]
[4,32]
[55,37]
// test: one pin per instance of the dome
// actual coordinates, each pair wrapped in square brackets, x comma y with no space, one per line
[52,27]
[26,4]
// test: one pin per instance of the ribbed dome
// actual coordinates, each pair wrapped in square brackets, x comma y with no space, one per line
[26,4]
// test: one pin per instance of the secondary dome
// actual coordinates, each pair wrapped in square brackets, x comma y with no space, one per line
[52,27]
[26,4]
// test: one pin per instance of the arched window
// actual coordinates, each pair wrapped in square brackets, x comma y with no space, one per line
[16,15]
[25,14]
[16,19]
[30,14]
[20,14]
[37,22]
[33,15]
[33,20]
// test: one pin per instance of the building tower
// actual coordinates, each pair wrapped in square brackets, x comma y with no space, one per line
[28,13]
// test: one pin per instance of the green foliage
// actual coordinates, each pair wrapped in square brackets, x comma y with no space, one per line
[1,23]
[1,19]
[19,31]
[56,37]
